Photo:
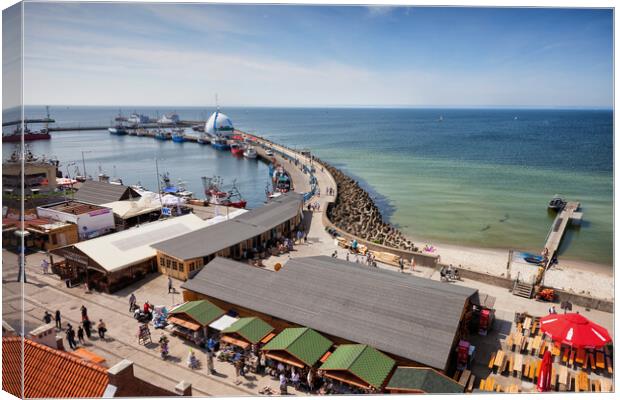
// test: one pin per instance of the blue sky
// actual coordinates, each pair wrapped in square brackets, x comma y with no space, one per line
[182,54]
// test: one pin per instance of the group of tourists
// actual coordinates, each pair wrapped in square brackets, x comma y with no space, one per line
[84,328]
[316,206]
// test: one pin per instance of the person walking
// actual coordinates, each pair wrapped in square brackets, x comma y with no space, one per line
[71,337]
[412,264]
[210,366]
[132,302]
[47,317]
[310,380]
[87,327]
[238,367]
[101,329]
[170,288]
[283,390]
[295,379]
[84,312]
[58,320]
[401,265]
[44,266]
[80,335]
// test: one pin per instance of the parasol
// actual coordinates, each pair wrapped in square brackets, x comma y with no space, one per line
[574,330]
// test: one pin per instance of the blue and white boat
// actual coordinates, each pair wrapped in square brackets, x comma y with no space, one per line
[161,134]
[178,135]
[118,130]
[220,143]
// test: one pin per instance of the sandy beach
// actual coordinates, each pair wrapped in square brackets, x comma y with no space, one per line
[580,277]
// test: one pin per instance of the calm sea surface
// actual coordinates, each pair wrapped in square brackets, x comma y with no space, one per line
[469,177]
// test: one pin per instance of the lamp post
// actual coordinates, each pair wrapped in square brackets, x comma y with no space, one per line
[21,256]
[84,163]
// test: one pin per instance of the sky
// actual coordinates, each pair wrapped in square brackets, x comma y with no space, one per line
[253,55]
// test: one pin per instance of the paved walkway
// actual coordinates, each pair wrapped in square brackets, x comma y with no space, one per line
[47,292]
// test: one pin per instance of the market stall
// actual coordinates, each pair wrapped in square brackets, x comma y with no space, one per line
[421,380]
[298,347]
[190,320]
[359,366]
[246,332]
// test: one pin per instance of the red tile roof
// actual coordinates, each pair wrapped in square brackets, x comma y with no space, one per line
[49,372]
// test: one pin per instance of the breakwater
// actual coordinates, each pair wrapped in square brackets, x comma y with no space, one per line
[355,212]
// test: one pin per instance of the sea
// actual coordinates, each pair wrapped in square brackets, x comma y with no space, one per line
[472,177]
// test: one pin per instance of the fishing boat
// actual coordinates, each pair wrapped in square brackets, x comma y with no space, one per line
[198,128]
[141,132]
[281,180]
[557,203]
[118,129]
[216,196]
[220,143]
[161,134]
[203,139]
[250,152]
[29,135]
[178,135]
[136,119]
[167,119]
[236,149]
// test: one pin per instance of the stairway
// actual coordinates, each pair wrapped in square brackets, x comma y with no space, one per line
[523,289]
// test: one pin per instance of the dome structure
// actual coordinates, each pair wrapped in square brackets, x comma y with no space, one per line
[219,124]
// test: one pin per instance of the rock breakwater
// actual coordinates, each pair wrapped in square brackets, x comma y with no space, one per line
[355,212]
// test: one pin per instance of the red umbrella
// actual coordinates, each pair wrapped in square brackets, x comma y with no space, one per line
[544,375]
[574,330]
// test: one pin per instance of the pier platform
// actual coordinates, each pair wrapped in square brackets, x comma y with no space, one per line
[569,214]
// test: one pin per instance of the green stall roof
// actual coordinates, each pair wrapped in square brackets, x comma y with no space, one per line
[363,361]
[252,329]
[202,311]
[424,379]
[305,344]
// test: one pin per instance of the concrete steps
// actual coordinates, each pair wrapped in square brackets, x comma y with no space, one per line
[523,289]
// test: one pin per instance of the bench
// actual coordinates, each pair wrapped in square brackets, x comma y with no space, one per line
[606,385]
[491,360]
[600,360]
[470,385]
[563,375]
[596,385]
[499,359]
[482,384]
[554,377]
[609,367]
[508,367]
[489,385]
[580,357]
[591,363]
[535,349]
[518,364]
[571,358]
[565,355]
[464,377]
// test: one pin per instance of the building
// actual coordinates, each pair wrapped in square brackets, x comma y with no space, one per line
[219,124]
[415,321]
[52,373]
[91,220]
[96,192]
[182,255]
[39,174]
[45,234]
[412,380]
[111,262]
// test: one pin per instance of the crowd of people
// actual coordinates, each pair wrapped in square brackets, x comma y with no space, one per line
[84,330]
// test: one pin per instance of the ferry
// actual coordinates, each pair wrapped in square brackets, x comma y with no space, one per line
[220,143]
[236,149]
[250,152]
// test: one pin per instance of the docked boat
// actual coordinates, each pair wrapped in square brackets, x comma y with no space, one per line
[29,135]
[281,180]
[237,149]
[220,143]
[118,129]
[216,196]
[141,132]
[198,128]
[136,119]
[161,134]
[172,118]
[178,135]
[269,153]
[557,203]
[250,152]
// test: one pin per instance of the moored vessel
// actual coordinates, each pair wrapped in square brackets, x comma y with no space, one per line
[250,152]
[216,196]
[236,149]
[178,135]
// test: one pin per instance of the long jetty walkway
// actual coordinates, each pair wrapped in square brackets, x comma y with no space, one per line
[570,213]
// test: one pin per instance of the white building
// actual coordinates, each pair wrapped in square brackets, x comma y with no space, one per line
[92,220]
[219,125]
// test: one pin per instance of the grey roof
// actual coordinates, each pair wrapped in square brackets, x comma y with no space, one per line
[212,239]
[412,317]
[95,192]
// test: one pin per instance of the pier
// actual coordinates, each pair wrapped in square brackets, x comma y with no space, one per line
[569,214]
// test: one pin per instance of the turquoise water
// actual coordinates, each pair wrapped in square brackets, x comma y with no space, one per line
[467,177]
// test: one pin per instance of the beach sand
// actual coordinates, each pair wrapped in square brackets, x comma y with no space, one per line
[579,277]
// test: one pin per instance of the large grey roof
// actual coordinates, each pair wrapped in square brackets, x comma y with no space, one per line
[95,192]
[412,317]
[212,239]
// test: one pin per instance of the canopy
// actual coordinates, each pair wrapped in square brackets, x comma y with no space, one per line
[250,329]
[223,322]
[234,341]
[202,312]
[192,326]
[305,344]
[574,330]
[352,363]
[169,199]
